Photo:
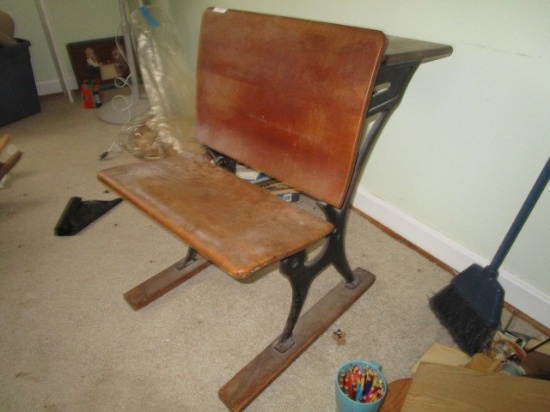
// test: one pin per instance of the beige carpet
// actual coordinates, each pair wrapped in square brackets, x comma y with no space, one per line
[69,342]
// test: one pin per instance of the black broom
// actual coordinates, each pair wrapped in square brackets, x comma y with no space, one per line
[470,307]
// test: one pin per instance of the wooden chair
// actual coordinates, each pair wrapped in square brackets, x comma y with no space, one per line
[287,97]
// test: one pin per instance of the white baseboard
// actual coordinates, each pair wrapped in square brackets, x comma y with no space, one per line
[518,293]
[48,87]
[53,86]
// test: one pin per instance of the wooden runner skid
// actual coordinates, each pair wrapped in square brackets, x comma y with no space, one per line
[163,282]
[248,383]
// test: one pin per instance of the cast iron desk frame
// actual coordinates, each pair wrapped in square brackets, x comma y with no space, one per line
[401,59]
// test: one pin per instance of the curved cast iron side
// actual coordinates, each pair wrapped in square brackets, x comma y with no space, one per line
[296,269]
[301,273]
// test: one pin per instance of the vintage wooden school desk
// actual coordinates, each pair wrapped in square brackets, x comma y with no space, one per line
[288,97]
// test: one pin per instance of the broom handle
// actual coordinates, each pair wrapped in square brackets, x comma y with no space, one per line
[520,219]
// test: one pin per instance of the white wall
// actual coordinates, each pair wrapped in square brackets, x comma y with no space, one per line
[71,21]
[28,27]
[460,154]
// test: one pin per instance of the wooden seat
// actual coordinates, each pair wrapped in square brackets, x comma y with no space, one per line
[287,97]
[237,226]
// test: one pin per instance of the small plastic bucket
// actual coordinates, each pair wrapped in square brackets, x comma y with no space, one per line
[360,387]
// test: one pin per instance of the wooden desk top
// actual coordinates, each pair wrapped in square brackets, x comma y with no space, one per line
[404,50]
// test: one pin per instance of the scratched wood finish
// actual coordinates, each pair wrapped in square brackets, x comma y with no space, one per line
[286,96]
[235,225]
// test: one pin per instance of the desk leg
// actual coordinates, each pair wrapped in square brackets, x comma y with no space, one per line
[247,384]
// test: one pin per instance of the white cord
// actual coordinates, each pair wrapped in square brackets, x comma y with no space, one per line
[122,82]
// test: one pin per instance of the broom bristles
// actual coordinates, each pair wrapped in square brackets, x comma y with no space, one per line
[469,330]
